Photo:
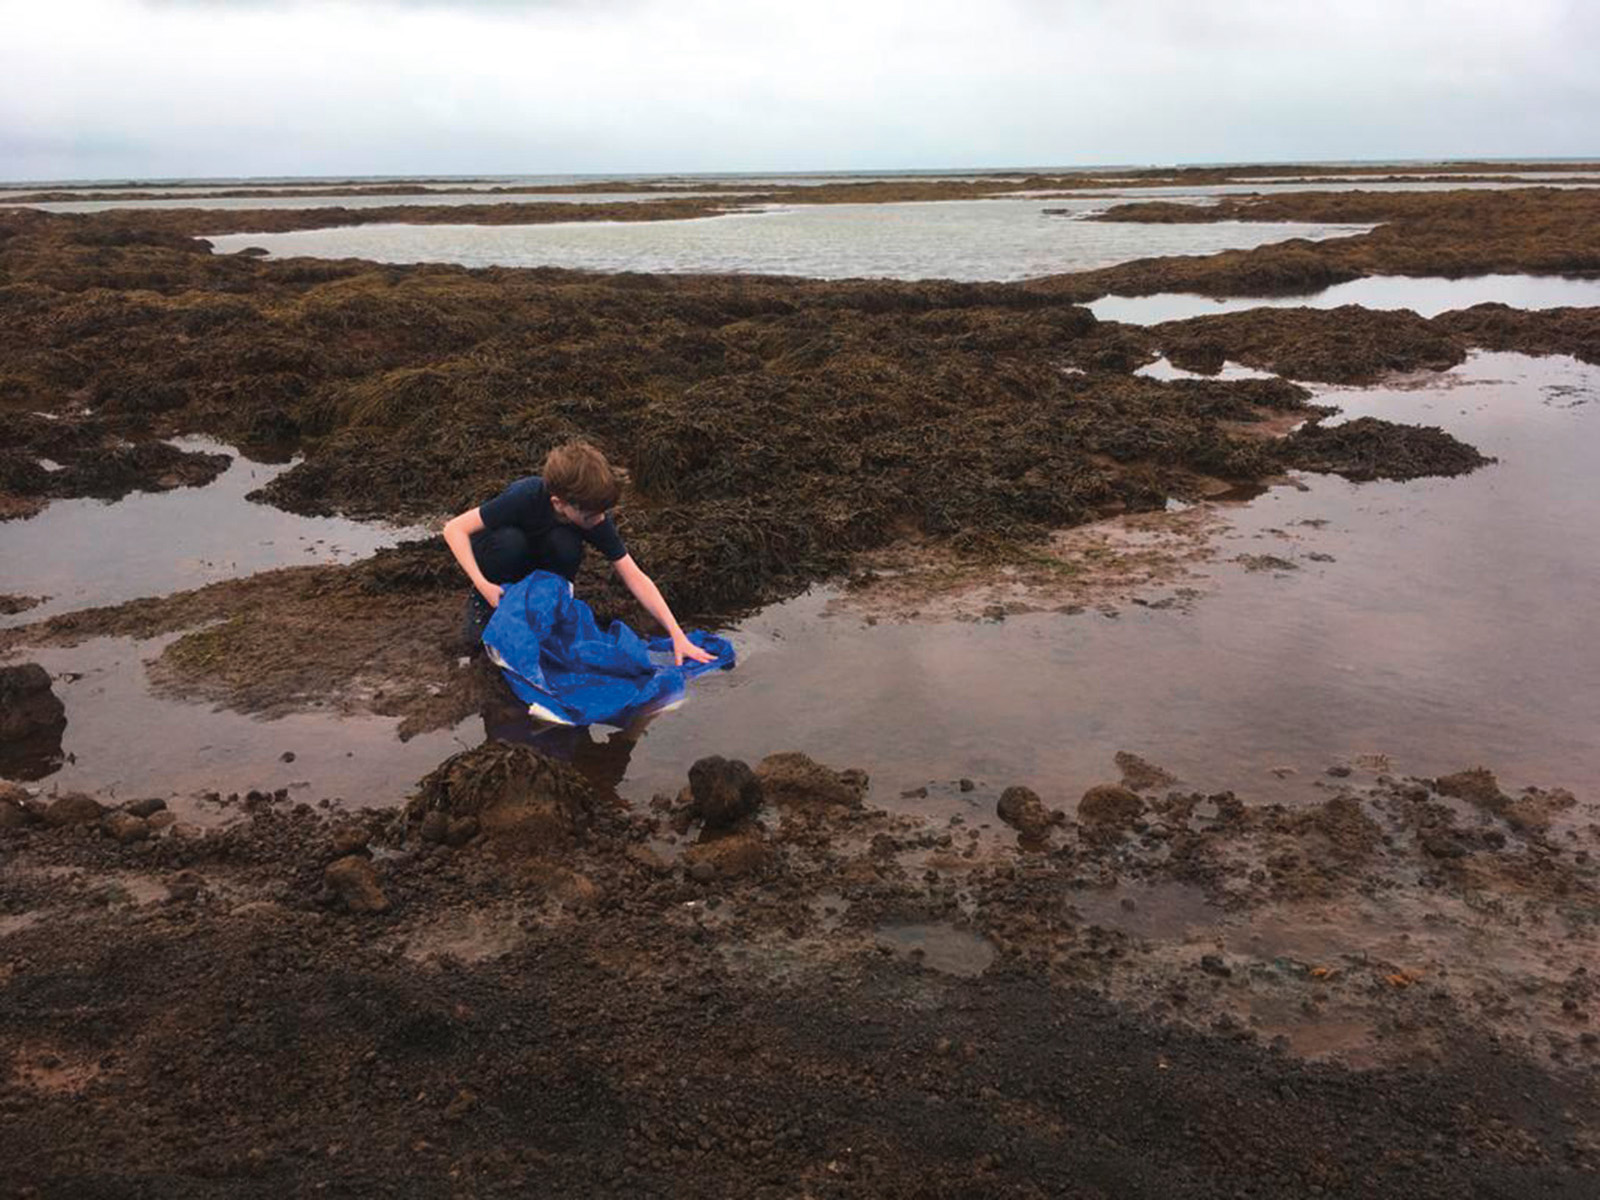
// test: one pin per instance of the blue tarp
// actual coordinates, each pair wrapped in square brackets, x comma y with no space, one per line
[566,668]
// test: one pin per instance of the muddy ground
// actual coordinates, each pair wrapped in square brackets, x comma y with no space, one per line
[766,986]
[528,990]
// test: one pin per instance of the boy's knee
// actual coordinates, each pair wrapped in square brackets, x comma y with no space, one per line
[504,555]
[562,552]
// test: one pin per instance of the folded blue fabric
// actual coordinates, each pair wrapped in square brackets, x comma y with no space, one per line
[566,668]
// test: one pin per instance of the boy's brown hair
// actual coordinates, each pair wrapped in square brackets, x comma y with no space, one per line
[579,473]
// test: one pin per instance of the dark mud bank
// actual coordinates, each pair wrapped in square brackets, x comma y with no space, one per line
[513,986]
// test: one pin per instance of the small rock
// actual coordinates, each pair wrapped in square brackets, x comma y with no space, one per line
[795,779]
[461,831]
[701,871]
[14,813]
[1339,771]
[287,756]
[73,809]
[966,785]
[164,819]
[145,808]
[185,886]
[463,1105]
[126,828]
[1443,845]
[649,860]
[347,840]
[435,827]
[355,882]
[725,791]
[1212,964]
[1021,808]
[28,706]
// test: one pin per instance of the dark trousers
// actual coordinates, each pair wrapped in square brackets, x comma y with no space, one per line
[508,554]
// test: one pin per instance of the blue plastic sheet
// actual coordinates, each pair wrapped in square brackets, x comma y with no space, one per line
[567,669]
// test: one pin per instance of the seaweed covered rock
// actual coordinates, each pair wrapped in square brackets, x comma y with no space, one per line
[1574,331]
[1369,448]
[792,778]
[723,791]
[1529,812]
[520,799]
[125,827]
[28,707]
[355,881]
[14,812]
[730,855]
[1140,775]
[1108,806]
[73,808]
[1476,785]
[1349,344]
[1021,808]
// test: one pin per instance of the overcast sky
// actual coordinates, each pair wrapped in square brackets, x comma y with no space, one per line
[168,88]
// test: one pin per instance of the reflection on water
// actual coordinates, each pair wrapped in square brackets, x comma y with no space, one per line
[1425,297]
[969,240]
[124,742]
[83,553]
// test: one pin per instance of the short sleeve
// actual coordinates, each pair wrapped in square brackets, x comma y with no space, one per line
[512,506]
[605,538]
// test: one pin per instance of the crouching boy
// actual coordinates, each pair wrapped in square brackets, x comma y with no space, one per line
[544,522]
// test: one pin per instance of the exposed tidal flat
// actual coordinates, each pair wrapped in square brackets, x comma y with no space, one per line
[1222,810]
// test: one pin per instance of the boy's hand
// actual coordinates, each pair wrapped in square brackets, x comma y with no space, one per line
[492,593]
[683,648]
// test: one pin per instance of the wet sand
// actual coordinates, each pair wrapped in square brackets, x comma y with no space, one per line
[1363,967]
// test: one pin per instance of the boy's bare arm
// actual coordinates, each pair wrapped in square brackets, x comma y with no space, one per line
[647,594]
[458,531]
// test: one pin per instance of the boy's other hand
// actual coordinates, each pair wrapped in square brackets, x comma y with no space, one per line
[683,648]
[492,593]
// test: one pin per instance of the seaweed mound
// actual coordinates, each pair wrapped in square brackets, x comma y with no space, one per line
[1368,448]
[520,799]
[1349,344]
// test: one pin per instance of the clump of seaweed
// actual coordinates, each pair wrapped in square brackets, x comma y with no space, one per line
[1369,448]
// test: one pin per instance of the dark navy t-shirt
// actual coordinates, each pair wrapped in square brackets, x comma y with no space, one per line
[526,504]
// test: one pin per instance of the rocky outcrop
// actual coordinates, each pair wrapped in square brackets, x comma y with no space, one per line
[519,799]
[723,791]
[792,778]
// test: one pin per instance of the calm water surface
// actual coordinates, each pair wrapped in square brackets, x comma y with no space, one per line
[1425,297]
[81,553]
[968,240]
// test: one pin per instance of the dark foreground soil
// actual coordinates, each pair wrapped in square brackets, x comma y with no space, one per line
[523,991]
